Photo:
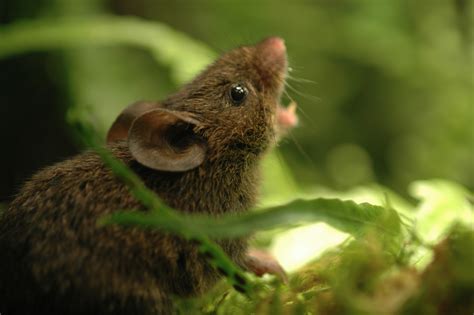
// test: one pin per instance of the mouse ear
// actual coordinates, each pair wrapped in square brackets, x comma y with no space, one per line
[165,140]
[121,125]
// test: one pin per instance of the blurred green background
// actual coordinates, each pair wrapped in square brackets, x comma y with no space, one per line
[384,88]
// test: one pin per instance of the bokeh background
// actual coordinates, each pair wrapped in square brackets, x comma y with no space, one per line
[384,88]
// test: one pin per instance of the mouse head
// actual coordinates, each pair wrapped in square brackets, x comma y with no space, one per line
[228,111]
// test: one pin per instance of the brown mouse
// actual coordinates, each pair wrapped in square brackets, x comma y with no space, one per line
[199,150]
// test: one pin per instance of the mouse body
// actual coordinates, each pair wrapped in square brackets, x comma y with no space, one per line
[199,150]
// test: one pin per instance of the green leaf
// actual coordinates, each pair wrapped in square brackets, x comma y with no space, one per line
[184,55]
[346,216]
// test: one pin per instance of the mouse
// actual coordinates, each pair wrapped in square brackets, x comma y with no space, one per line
[199,150]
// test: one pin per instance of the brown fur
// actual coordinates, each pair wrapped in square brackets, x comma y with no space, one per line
[56,260]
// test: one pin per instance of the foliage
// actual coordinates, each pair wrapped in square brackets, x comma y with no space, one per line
[362,277]
[165,44]
[359,278]
[344,215]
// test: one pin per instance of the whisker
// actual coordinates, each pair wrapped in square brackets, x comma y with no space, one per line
[305,155]
[288,96]
[310,119]
[305,95]
[292,70]
[299,108]
[301,80]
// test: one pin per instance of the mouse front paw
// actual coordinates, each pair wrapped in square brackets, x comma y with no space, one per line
[260,262]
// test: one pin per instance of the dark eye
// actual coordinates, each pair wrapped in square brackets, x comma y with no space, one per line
[238,93]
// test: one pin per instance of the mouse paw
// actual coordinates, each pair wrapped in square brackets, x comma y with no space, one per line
[286,119]
[260,262]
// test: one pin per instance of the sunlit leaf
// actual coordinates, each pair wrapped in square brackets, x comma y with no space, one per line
[441,204]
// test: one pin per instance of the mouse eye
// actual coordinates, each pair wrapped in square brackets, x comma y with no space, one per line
[238,93]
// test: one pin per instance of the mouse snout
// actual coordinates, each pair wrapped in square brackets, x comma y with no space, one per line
[272,52]
[273,46]
[272,56]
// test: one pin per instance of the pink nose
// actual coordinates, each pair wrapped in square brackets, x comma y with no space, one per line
[272,52]
[273,45]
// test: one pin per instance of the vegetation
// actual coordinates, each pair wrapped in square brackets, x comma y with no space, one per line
[337,212]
